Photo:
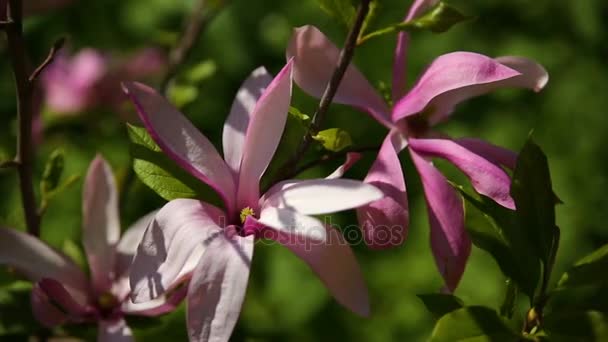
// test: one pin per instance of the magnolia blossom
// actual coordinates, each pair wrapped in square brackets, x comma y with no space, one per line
[191,238]
[90,78]
[62,292]
[448,80]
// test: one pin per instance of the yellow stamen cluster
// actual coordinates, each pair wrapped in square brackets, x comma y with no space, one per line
[247,211]
[107,300]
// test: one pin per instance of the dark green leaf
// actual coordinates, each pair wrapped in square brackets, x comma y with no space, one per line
[579,298]
[498,233]
[576,326]
[342,10]
[52,172]
[473,323]
[534,198]
[159,172]
[590,269]
[440,304]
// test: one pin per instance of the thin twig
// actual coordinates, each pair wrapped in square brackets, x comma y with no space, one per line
[25,90]
[191,34]
[346,55]
[330,157]
[49,59]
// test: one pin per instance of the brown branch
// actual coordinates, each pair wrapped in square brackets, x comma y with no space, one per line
[49,59]
[194,27]
[346,55]
[25,90]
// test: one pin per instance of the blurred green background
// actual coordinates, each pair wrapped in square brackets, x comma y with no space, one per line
[284,300]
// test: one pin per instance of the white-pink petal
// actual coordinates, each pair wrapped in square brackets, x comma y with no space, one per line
[181,141]
[264,132]
[217,288]
[114,331]
[235,127]
[291,222]
[323,196]
[533,75]
[101,223]
[171,246]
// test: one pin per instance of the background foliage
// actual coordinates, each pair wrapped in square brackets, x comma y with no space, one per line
[284,299]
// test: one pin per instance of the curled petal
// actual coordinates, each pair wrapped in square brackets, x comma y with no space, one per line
[58,294]
[36,260]
[316,58]
[235,128]
[449,80]
[533,75]
[159,306]
[496,154]
[384,222]
[101,224]
[171,246]
[450,243]
[264,132]
[181,141]
[44,311]
[217,289]
[487,178]
[323,196]
[351,159]
[114,331]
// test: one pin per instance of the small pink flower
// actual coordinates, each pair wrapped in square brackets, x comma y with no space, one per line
[192,239]
[62,292]
[449,80]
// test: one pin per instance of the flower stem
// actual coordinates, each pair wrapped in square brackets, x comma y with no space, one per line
[25,91]
[346,55]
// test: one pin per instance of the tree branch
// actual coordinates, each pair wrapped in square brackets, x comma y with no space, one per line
[49,59]
[25,90]
[346,55]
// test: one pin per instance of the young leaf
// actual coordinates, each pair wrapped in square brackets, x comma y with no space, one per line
[342,10]
[52,172]
[334,139]
[440,304]
[473,323]
[590,269]
[302,118]
[182,94]
[159,172]
[439,19]
[535,200]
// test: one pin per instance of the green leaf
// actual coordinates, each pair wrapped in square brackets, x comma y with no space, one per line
[473,323]
[201,71]
[52,172]
[342,10]
[534,198]
[588,270]
[374,5]
[576,326]
[579,298]
[499,233]
[302,118]
[440,304]
[159,172]
[182,94]
[334,139]
[439,19]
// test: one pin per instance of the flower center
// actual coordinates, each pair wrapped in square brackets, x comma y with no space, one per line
[247,211]
[107,301]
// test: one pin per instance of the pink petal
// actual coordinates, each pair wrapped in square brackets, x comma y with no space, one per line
[496,154]
[55,291]
[450,243]
[315,60]
[101,223]
[263,135]
[449,80]
[384,223]
[114,331]
[487,178]
[235,128]
[44,311]
[171,246]
[337,195]
[533,75]
[288,221]
[158,306]
[36,260]
[335,264]
[181,141]
[351,159]
[217,289]
[418,8]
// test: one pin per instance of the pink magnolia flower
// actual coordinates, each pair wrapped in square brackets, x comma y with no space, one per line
[62,292]
[190,238]
[450,79]
[90,78]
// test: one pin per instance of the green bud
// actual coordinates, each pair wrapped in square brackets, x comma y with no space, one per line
[334,139]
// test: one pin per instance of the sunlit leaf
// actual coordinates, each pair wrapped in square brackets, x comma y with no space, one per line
[334,139]
[588,270]
[439,19]
[473,323]
[342,10]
